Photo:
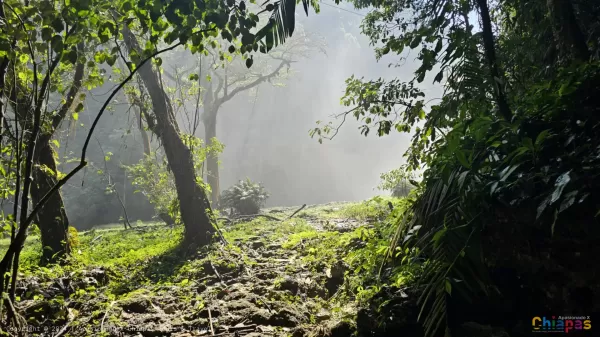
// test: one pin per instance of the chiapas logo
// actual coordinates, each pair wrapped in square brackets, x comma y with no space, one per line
[564,324]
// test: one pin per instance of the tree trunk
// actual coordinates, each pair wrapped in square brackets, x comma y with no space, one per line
[145,138]
[193,202]
[212,159]
[52,217]
[490,54]
[567,34]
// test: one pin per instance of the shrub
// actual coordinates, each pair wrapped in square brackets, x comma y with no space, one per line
[245,198]
[73,236]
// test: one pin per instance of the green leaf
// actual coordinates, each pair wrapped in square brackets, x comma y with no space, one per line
[439,235]
[415,42]
[559,186]
[46,33]
[438,46]
[57,44]
[448,287]
[58,25]
[23,58]
[541,137]
[72,55]
[462,158]
[507,172]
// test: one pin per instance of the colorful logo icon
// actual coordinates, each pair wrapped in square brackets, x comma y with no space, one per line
[563,324]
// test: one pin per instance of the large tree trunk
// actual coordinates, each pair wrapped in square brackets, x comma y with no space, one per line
[193,202]
[567,34]
[52,218]
[212,159]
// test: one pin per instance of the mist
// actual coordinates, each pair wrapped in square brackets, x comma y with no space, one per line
[272,144]
[265,131]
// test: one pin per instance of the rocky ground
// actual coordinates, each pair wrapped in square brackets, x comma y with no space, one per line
[270,278]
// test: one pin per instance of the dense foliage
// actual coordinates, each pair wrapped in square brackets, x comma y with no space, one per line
[516,129]
[244,198]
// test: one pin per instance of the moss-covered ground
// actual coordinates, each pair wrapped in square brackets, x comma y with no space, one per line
[301,276]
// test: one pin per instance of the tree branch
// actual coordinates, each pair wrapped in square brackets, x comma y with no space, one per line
[250,85]
[77,79]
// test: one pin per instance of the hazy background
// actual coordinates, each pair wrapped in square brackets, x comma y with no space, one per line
[270,144]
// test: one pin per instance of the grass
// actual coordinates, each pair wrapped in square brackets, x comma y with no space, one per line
[145,262]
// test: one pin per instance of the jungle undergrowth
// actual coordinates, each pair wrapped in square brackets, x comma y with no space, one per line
[147,264]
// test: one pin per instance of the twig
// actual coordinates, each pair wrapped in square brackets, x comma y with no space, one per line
[217,273]
[265,303]
[298,210]
[96,238]
[65,328]
[212,331]
[104,317]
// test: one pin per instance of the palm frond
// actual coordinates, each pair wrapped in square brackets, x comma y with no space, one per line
[281,24]
[448,233]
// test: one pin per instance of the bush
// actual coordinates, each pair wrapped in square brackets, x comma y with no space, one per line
[73,236]
[245,198]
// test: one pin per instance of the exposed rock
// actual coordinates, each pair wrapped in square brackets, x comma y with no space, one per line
[341,329]
[170,309]
[240,305]
[284,317]
[322,315]
[290,285]
[99,274]
[214,312]
[335,277]
[257,244]
[138,305]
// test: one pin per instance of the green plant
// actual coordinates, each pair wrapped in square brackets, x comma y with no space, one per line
[73,236]
[245,197]
[153,178]
[399,181]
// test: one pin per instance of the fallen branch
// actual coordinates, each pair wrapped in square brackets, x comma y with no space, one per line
[298,210]
[217,273]
[250,216]
[257,215]
[247,217]
[104,317]
[66,327]
[96,238]
[212,330]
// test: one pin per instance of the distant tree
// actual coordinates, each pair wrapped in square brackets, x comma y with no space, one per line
[232,79]
[399,182]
